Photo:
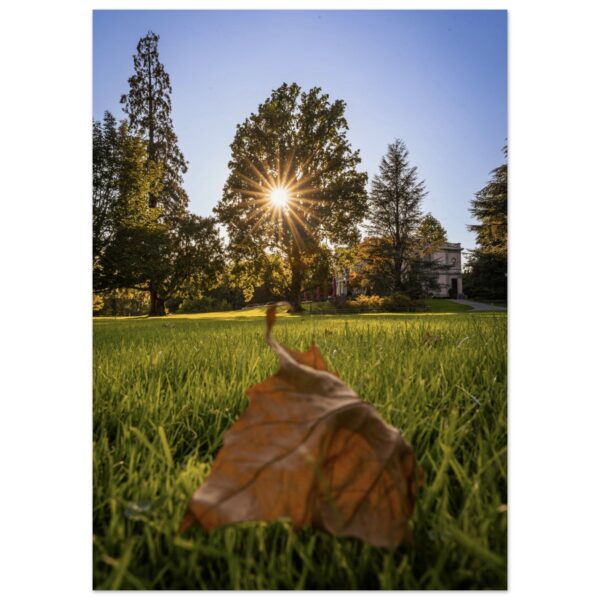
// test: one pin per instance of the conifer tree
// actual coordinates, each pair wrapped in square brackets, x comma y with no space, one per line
[490,208]
[394,218]
[487,266]
[148,106]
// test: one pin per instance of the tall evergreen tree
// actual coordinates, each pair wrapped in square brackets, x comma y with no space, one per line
[394,220]
[486,269]
[293,185]
[148,106]
[490,208]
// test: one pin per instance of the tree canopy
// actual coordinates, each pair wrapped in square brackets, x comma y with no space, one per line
[294,187]
[144,237]
[430,234]
[395,256]
[490,208]
[486,269]
[123,177]
[148,107]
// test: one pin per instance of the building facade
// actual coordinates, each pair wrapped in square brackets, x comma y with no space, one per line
[449,276]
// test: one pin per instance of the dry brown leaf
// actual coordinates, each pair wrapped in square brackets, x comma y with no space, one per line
[309,449]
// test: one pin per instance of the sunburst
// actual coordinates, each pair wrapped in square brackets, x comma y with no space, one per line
[279,197]
[282,193]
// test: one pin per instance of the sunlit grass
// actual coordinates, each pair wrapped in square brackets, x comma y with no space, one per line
[165,390]
[435,306]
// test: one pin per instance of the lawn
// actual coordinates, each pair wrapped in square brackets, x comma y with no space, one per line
[435,305]
[166,389]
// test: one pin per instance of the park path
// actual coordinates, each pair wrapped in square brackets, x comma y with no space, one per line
[479,306]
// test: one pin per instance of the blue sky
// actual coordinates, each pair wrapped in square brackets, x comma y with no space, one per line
[435,79]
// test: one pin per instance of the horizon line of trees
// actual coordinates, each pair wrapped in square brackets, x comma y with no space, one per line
[150,253]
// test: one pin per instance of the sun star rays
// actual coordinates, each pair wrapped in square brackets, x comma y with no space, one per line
[279,197]
[284,195]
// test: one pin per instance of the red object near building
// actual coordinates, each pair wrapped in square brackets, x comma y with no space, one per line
[318,293]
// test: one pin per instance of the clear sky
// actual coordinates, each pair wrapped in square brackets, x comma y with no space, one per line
[435,79]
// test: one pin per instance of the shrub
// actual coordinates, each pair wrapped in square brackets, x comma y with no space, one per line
[173,304]
[98,304]
[400,303]
[394,303]
[121,303]
[363,302]
[204,304]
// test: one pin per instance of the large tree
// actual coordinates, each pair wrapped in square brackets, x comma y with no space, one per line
[293,188]
[486,272]
[396,256]
[123,177]
[105,186]
[148,106]
[183,254]
[490,208]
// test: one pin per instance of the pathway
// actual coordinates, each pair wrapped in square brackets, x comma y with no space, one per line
[480,306]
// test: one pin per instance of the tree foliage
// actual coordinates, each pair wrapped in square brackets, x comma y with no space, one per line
[485,275]
[395,257]
[296,141]
[148,107]
[144,237]
[431,235]
[123,177]
[490,208]
[185,253]
[486,272]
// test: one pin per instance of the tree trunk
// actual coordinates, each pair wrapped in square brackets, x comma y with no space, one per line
[295,291]
[157,305]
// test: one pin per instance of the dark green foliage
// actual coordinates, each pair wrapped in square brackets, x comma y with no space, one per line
[121,303]
[395,258]
[148,106]
[486,275]
[105,188]
[490,208]
[183,252]
[123,177]
[298,141]
[144,237]
[204,304]
[486,270]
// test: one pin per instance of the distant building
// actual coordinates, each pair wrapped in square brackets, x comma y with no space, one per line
[450,274]
[339,287]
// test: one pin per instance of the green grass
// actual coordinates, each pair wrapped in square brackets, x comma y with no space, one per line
[435,305]
[165,390]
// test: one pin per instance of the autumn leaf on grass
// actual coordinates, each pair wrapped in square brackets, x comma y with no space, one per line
[309,449]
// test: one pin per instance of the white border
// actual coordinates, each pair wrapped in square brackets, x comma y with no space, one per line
[45,282]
